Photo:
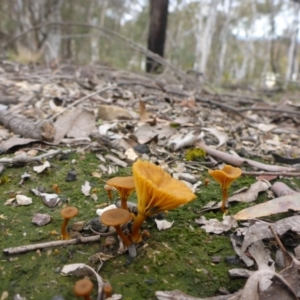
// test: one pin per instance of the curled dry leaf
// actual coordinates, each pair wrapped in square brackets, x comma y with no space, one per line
[163,224]
[23,200]
[82,270]
[100,211]
[146,133]
[260,230]
[41,168]
[180,141]
[221,136]
[215,226]
[86,188]
[49,199]
[131,155]
[9,201]
[266,284]
[178,295]
[271,207]
[252,193]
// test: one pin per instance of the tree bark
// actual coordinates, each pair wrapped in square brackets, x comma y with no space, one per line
[204,37]
[293,43]
[157,31]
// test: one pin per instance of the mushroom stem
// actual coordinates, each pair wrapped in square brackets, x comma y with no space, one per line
[136,234]
[224,199]
[124,203]
[123,236]
[107,288]
[64,231]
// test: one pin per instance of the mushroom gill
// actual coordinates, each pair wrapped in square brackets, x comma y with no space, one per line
[157,191]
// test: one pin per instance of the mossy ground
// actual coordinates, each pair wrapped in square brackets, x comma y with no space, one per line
[178,258]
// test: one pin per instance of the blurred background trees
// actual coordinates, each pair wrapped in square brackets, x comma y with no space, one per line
[228,41]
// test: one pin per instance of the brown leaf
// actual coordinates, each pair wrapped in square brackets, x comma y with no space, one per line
[271,207]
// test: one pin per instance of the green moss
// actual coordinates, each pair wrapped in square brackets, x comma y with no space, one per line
[195,154]
[178,258]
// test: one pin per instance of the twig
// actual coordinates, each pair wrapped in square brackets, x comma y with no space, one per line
[257,173]
[270,109]
[22,159]
[82,99]
[27,248]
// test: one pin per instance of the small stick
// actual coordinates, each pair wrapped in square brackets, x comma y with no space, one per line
[82,99]
[32,247]
[257,173]
[23,159]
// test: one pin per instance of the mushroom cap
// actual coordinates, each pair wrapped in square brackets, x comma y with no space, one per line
[157,190]
[69,212]
[124,185]
[225,176]
[115,217]
[126,182]
[83,287]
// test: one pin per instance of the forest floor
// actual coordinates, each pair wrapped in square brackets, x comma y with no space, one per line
[99,121]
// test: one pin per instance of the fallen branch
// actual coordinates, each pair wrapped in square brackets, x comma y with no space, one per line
[42,131]
[285,174]
[23,159]
[82,99]
[238,161]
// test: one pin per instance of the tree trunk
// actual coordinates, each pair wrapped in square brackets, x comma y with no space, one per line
[204,37]
[157,31]
[293,44]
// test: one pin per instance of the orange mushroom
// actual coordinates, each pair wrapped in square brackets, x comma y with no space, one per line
[116,217]
[107,289]
[124,185]
[157,191]
[83,288]
[225,178]
[109,190]
[67,213]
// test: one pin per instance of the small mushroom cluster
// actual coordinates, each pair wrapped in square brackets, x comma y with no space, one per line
[157,191]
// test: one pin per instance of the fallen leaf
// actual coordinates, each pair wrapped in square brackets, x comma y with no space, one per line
[145,133]
[65,122]
[266,127]
[83,126]
[144,116]
[86,188]
[100,211]
[82,270]
[178,295]
[15,141]
[131,154]
[97,174]
[163,224]
[48,199]
[260,230]
[221,136]
[179,141]
[112,112]
[252,193]
[271,207]
[41,168]
[215,226]
[23,200]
